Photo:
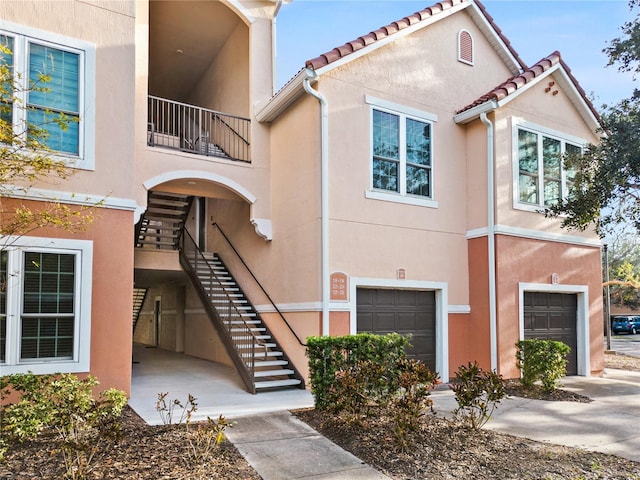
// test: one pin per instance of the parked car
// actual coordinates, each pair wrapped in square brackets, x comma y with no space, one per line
[626,323]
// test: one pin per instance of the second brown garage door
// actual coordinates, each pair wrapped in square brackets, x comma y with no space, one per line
[553,316]
[412,312]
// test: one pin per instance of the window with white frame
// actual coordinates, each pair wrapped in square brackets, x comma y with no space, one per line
[543,180]
[54,77]
[401,146]
[45,306]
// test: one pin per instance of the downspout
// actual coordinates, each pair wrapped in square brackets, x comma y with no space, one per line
[324,194]
[274,53]
[491,233]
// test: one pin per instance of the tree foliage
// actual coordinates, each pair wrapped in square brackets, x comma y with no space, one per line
[624,271]
[26,160]
[606,190]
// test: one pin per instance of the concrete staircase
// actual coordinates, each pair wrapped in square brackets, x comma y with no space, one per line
[139,295]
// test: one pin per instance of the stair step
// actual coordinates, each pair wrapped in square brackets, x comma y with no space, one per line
[273,373]
[270,363]
[243,315]
[254,330]
[165,211]
[164,220]
[164,201]
[155,242]
[246,346]
[246,322]
[277,383]
[262,354]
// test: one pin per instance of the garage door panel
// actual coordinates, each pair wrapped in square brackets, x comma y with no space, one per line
[553,316]
[407,312]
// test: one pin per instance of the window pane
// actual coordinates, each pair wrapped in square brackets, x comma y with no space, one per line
[571,151]
[49,337]
[528,151]
[418,142]
[551,192]
[385,175]
[528,189]
[48,283]
[61,91]
[56,138]
[528,165]
[6,79]
[418,181]
[551,158]
[58,93]
[386,135]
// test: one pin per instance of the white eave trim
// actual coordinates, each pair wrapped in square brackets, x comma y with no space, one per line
[269,111]
[71,198]
[475,112]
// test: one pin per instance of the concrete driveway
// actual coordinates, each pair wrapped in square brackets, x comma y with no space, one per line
[610,424]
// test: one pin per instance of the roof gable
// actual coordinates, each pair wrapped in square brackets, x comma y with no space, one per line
[510,89]
[409,24]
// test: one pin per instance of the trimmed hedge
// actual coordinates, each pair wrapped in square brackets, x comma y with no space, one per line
[329,355]
[543,360]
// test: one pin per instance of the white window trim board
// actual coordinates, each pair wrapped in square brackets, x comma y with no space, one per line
[86,158]
[582,323]
[519,123]
[441,290]
[83,249]
[403,112]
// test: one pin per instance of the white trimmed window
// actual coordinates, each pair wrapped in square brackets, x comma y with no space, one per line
[45,313]
[401,153]
[64,69]
[542,179]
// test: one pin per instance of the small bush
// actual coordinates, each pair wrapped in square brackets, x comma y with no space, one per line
[330,355]
[542,360]
[362,387]
[203,437]
[477,393]
[411,399]
[65,405]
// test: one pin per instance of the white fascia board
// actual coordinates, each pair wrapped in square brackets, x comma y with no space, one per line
[293,90]
[475,112]
[494,39]
[567,85]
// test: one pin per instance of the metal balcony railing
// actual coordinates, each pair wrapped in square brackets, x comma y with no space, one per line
[192,129]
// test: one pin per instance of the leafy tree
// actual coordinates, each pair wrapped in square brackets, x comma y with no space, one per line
[606,189]
[624,271]
[26,160]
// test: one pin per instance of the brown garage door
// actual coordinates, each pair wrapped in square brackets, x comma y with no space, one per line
[553,316]
[412,312]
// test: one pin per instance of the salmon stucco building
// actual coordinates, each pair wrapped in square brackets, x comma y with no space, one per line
[395,184]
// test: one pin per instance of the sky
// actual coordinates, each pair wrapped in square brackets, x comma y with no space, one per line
[579,29]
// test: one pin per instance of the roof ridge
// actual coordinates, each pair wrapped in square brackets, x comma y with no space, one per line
[381,33]
[394,27]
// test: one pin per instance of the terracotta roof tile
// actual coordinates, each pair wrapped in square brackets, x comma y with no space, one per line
[514,83]
[379,34]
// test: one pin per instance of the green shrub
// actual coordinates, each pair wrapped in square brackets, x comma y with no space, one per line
[330,355]
[64,405]
[543,360]
[477,393]
[411,399]
[361,388]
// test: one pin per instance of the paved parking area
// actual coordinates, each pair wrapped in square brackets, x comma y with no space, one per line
[625,343]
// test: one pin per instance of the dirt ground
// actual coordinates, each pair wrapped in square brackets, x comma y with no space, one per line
[439,450]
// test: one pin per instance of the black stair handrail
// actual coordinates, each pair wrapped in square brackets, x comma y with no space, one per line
[215,225]
[245,370]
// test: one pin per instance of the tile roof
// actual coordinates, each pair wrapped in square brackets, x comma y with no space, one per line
[399,25]
[519,81]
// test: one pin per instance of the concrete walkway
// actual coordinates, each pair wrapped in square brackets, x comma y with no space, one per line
[281,447]
[609,424]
